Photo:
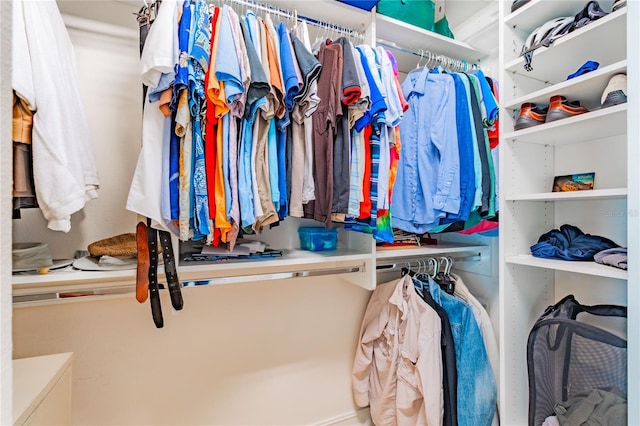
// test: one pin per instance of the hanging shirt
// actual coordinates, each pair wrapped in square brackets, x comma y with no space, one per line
[466,152]
[258,89]
[183,130]
[394,111]
[490,103]
[429,166]
[378,105]
[477,395]
[483,146]
[356,173]
[357,110]
[158,57]
[325,121]
[351,90]
[397,369]
[477,162]
[243,60]
[486,328]
[292,84]
[227,66]
[198,63]
[308,64]
[44,75]
[308,101]
[365,204]
[266,214]
[275,70]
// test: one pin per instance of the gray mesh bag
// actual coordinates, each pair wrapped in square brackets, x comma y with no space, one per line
[566,357]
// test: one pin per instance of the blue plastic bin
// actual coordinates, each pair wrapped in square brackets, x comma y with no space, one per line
[315,238]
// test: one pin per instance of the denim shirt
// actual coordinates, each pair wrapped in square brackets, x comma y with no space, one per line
[477,394]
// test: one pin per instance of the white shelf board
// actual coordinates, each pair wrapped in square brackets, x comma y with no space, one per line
[535,13]
[595,194]
[586,88]
[605,122]
[410,37]
[603,41]
[587,268]
[441,248]
[292,260]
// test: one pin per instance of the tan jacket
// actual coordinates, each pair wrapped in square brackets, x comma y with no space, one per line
[398,363]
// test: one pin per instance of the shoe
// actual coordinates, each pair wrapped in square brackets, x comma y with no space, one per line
[619,4]
[591,12]
[560,107]
[517,4]
[616,91]
[530,115]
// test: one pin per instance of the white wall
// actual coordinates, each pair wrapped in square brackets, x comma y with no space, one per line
[261,353]
[6,148]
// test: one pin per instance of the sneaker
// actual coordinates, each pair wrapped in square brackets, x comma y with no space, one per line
[619,4]
[530,115]
[560,107]
[616,91]
[517,4]
[591,12]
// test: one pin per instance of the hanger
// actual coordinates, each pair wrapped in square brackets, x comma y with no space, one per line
[443,278]
[421,53]
[407,270]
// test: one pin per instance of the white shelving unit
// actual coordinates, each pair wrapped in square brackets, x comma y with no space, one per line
[529,160]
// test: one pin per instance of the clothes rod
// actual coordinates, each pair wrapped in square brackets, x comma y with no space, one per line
[250,4]
[398,264]
[95,293]
[434,58]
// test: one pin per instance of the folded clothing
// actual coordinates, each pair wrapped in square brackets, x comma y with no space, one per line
[570,243]
[613,257]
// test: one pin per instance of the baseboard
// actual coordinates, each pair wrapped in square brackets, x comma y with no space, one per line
[354,418]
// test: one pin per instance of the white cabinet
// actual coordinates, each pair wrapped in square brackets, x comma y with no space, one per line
[42,390]
[599,141]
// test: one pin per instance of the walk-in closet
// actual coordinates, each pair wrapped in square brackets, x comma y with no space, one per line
[265,327]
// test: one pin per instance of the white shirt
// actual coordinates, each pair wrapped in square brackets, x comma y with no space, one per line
[158,57]
[44,74]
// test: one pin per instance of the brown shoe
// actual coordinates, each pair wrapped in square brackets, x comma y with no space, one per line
[560,107]
[530,115]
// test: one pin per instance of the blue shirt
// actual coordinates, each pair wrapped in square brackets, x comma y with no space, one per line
[477,162]
[477,392]
[292,83]
[465,150]
[272,155]
[166,80]
[227,65]
[281,136]
[182,70]
[427,182]
[488,99]
[378,104]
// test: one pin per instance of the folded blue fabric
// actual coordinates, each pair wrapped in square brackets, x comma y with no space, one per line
[585,68]
[570,243]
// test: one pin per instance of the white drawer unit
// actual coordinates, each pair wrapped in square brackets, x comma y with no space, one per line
[42,390]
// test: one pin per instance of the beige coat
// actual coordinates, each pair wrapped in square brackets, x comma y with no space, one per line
[398,363]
